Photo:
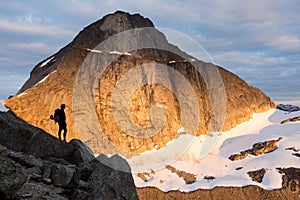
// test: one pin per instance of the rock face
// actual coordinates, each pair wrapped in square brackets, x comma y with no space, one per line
[66,171]
[52,83]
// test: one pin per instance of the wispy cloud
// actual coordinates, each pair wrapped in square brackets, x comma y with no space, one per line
[30,28]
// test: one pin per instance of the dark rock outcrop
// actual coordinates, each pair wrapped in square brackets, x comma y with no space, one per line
[288,107]
[293,119]
[13,176]
[66,171]
[257,149]
[187,177]
[19,136]
[52,80]
[111,183]
[257,175]
[291,178]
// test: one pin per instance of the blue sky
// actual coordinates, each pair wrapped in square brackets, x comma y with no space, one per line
[258,40]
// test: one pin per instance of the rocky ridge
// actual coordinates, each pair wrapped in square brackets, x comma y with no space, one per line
[36,165]
[52,80]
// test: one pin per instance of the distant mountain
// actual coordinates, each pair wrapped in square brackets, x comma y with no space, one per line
[56,79]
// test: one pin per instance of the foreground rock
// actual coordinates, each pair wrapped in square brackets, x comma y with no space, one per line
[29,171]
[60,70]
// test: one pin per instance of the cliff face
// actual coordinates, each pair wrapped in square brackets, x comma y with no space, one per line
[163,76]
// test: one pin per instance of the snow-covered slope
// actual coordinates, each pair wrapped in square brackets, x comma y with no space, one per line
[216,169]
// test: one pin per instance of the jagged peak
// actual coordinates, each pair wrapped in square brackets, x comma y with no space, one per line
[109,25]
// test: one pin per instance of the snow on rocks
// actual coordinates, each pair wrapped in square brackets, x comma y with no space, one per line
[52,59]
[119,53]
[261,170]
[94,50]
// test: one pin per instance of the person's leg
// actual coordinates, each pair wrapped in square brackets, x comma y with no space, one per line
[65,133]
[59,133]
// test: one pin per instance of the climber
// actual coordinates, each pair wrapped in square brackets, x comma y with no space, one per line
[60,117]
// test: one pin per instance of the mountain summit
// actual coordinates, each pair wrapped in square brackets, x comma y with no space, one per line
[166,89]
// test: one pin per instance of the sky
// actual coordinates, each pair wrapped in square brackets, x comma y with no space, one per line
[258,40]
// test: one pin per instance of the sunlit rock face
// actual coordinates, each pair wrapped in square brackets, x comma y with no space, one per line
[132,91]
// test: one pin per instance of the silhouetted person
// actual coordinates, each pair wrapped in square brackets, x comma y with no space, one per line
[60,117]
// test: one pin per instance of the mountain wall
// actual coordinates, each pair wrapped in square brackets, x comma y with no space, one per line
[186,88]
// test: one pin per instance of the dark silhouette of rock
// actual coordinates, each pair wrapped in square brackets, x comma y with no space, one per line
[111,183]
[26,173]
[82,153]
[19,136]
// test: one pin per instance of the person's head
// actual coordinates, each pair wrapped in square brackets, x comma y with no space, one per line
[63,106]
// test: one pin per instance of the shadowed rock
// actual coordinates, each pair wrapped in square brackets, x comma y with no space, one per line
[257,175]
[291,178]
[59,171]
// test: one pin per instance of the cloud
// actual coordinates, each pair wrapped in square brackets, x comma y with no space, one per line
[33,47]
[29,28]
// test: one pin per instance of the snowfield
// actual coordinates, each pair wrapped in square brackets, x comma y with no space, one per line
[215,168]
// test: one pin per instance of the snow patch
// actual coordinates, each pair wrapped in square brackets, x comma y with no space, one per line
[188,158]
[127,54]
[47,61]
[21,94]
[116,52]
[172,61]
[94,50]
[2,106]
[120,53]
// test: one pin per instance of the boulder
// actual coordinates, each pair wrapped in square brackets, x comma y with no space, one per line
[13,176]
[111,183]
[38,190]
[64,175]
[81,154]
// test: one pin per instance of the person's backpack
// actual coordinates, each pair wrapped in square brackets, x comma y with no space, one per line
[56,115]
